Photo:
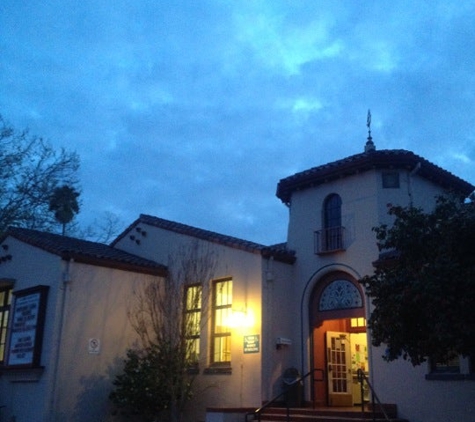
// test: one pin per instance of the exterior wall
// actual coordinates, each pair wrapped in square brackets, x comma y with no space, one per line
[359,195]
[74,384]
[364,206]
[242,387]
[280,320]
[27,394]
[419,399]
[96,301]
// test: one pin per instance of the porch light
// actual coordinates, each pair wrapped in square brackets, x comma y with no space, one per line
[241,318]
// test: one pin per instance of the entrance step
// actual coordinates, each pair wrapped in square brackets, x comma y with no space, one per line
[326,415]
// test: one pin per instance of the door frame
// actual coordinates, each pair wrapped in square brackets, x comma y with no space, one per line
[331,318]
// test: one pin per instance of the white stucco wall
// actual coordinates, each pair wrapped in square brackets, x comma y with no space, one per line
[74,384]
[29,401]
[364,206]
[419,399]
[241,388]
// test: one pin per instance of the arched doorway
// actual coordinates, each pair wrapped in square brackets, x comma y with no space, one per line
[339,342]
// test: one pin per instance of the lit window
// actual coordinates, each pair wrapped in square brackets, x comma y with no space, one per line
[192,321]
[221,331]
[358,322]
[5,303]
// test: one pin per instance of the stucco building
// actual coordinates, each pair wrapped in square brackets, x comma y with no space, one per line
[298,303]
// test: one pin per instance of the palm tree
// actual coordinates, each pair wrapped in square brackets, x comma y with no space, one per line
[64,203]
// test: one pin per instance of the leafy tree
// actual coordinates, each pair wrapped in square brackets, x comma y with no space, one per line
[30,171]
[64,203]
[424,291]
[167,337]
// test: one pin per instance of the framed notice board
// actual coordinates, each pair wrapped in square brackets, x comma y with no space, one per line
[26,327]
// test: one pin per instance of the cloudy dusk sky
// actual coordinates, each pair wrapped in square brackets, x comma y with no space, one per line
[193,110]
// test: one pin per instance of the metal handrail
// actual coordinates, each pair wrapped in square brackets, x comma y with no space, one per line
[362,378]
[257,413]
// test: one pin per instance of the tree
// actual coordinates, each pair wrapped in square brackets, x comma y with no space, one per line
[168,315]
[424,292]
[30,171]
[64,203]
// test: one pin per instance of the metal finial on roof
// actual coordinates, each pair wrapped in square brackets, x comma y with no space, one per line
[369,143]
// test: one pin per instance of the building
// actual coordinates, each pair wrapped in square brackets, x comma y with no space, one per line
[67,324]
[295,303]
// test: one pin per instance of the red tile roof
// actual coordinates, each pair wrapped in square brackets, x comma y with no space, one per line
[84,251]
[376,159]
[278,252]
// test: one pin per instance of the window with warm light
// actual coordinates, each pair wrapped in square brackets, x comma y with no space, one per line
[221,317]
[358,322]
[5,303]
[192,321]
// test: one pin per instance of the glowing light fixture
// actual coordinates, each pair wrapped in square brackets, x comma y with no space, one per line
[241,318]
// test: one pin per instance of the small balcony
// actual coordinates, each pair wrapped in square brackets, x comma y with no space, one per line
[330,240]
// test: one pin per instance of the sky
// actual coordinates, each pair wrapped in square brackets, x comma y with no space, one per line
[193,110]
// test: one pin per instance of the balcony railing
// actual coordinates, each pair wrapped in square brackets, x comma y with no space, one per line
[330,240]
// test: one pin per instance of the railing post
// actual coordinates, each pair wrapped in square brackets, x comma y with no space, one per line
[361,380]
[373,406]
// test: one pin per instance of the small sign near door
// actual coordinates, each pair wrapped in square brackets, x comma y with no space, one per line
[251,344]
[94,346]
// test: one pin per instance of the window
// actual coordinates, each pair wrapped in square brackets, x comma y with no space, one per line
[192,321]
[451,366]
[5,303]
[332,211]
[456,368]
[358,322]
[330,238]
[390,180]
[221,316]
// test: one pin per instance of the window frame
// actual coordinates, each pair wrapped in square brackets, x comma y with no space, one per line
[5,312]
[36,301]
[194,311]
[225,335]
[391,179]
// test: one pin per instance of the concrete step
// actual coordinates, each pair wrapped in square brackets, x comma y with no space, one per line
[325,415]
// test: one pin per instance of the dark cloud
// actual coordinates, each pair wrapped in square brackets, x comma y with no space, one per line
[193,111]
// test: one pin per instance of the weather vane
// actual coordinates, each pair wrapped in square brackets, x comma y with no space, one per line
[369,143]
[368,124]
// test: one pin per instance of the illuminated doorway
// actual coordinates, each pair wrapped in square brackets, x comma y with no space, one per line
[339,342]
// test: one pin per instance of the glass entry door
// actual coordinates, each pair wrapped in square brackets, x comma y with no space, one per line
[340,378]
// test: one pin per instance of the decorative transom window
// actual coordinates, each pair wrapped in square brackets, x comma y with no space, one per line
[340,294]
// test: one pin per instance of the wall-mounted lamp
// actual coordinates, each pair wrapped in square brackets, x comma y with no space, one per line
[241,318]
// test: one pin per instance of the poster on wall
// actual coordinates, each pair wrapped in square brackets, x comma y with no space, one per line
[27,323]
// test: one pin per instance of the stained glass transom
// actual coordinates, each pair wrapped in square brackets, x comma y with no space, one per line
[340,294]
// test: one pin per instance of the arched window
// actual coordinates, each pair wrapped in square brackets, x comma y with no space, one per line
[332,211]
[330,238]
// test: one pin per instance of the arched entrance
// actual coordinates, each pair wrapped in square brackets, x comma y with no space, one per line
[339,342]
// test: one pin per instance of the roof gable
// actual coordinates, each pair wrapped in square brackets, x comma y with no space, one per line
[278,252]
[374,159]
[85,251]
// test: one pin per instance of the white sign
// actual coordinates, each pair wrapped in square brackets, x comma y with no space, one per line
[25,319]
[94,346]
